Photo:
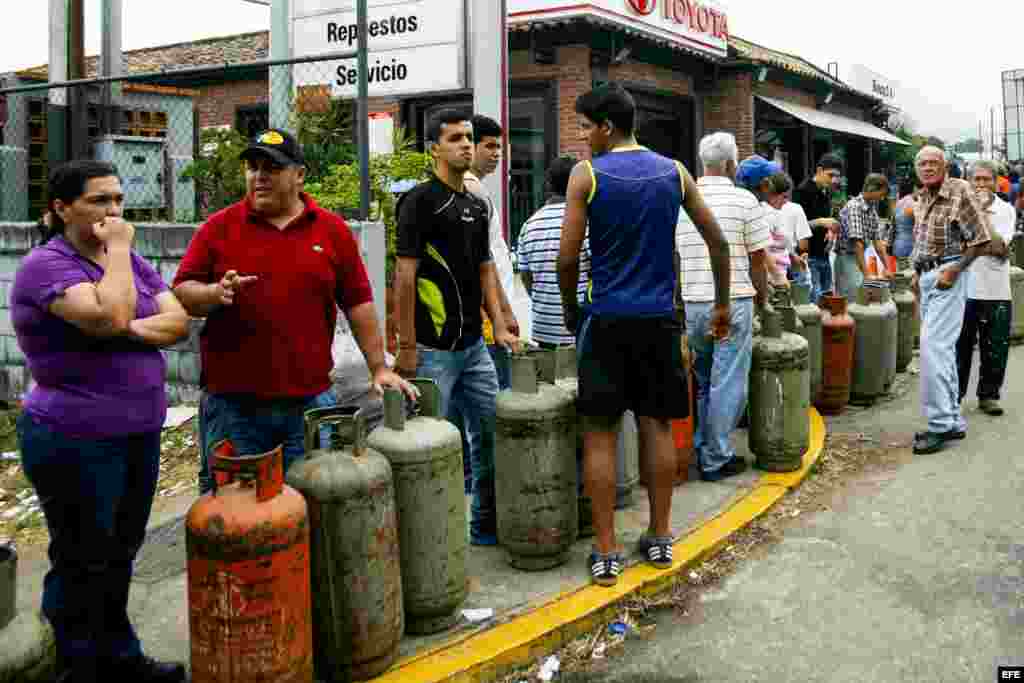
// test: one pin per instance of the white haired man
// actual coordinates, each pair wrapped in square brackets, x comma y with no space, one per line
[722,366]
[952,229]
[989,302]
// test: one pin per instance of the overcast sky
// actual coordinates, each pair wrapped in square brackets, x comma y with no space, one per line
[947,59]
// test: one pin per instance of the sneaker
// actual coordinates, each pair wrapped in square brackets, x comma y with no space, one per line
[735,465]
[657,550]
[605,569]
[990,407]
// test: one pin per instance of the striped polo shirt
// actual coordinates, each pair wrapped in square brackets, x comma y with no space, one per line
[537,253]
[744,223]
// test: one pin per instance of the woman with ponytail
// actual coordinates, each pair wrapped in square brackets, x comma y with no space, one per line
[90,315]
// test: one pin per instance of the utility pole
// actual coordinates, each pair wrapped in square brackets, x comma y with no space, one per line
[280,76]
[992,132]
[363,111]
[111,64]
[57,98]
[78,124]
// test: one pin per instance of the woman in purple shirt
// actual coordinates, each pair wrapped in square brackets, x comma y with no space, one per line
[90,315]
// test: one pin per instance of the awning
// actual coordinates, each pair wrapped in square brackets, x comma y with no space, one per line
[840,124]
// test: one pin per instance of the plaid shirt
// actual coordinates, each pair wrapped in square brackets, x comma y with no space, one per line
[858,220]
[947,221]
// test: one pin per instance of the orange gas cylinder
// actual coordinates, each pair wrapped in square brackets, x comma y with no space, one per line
[248,574]
[837,338]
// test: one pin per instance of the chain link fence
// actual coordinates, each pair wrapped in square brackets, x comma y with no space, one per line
[174,135]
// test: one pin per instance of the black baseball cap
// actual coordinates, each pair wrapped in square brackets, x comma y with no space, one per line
[279,145]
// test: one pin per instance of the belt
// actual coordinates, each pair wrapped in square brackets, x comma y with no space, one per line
[927,265]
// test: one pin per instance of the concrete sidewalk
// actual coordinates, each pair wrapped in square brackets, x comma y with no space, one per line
[534,613]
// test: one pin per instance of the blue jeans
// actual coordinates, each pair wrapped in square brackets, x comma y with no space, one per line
[96,496]
[255,426]
[468,384]
[722,370]
[848,276]
[903,242]
[821,277]
[942,317]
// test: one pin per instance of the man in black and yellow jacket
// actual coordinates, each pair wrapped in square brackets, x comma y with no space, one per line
[445,274]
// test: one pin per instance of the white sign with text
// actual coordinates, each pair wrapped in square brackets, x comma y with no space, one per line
[873,83]
[701,25]
[414,45]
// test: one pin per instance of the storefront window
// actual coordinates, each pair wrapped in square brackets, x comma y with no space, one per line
[532,147]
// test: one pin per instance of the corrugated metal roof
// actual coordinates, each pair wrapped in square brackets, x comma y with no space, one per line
[746,50]
[244,47]
[830,121]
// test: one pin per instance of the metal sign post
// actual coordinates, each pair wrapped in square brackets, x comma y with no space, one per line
[363,110]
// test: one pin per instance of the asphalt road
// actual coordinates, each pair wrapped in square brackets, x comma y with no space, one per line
[915,573]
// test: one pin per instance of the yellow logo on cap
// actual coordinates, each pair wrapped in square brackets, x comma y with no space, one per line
[271,138]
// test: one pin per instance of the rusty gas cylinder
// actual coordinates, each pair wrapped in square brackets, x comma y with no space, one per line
[874,348]
[535,468]
[1017,296]
[780,389]
[837,339]
[915,322]
[248,574]
[810,315]
[425,452]
[358,617]
[904,300]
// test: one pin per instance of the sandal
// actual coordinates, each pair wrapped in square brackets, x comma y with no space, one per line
[605,569]
[657,550]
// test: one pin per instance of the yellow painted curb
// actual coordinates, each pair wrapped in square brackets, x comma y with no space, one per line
[481,657]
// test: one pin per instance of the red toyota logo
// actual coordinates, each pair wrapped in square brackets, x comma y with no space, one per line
[642,7]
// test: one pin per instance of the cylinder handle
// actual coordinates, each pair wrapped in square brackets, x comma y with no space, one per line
[350,418]
[265,469]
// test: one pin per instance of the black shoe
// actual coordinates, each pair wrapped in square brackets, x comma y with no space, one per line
[952,435]
[736,465]
[990,407]
[148,670]
[933,442]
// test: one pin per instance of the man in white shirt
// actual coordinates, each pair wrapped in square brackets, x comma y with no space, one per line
[538,260]
[989,302]
[798,234]
[487,139]
[722,367]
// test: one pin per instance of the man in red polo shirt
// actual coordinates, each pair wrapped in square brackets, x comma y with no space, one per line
[269,274]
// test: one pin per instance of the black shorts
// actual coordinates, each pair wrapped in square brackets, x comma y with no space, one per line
[631,364]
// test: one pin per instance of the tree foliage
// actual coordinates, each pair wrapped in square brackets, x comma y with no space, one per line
[217,172]
[338,189]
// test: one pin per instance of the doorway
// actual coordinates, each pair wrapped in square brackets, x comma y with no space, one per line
[666,124]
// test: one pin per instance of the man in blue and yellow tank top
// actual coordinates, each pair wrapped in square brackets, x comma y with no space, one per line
[628,340]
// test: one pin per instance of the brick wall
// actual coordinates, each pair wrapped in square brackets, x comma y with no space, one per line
[730,107]
[216,104]
[572,71]
[653,77]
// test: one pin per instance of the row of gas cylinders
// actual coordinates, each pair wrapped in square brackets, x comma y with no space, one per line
[321,570]
[855,349]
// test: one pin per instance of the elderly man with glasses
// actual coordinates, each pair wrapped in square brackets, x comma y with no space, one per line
[952,229]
